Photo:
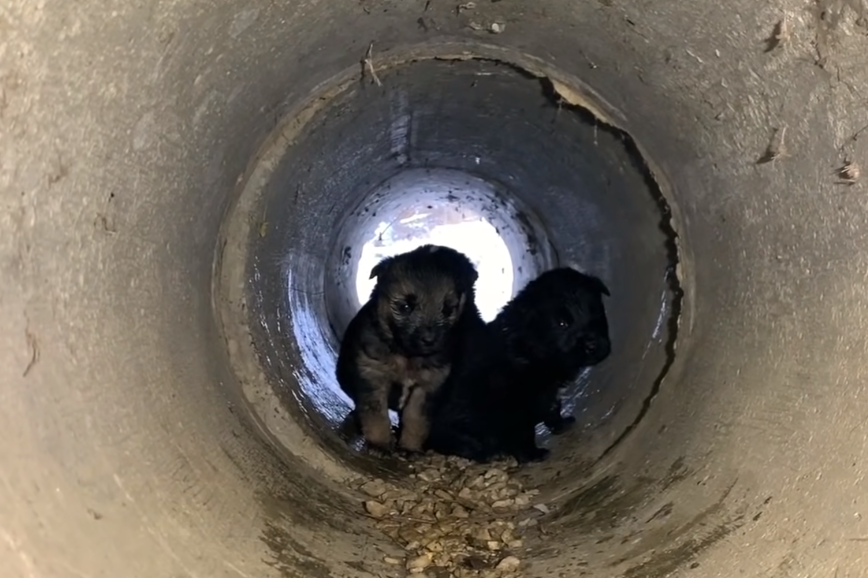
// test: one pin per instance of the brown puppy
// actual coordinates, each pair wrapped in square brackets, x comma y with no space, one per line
[399,348]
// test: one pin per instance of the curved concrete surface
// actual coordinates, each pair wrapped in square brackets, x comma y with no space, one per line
[179,182]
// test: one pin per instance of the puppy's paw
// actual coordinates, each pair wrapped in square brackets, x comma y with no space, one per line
[408,454]
[470,449]
[377,431]
[562,425]
[379,451]
[412,437]
[532,455]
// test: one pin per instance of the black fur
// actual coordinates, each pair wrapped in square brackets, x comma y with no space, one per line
[509,382]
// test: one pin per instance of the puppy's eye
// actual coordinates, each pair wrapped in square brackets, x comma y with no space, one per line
[563,319]
[404,307]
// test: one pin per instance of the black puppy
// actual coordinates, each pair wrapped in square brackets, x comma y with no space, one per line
[398,349]
[509,382]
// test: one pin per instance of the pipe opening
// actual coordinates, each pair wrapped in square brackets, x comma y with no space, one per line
[441,207]
[476,141]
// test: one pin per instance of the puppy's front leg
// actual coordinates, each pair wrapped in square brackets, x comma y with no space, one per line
[414,421]
[373,415]
[522,445]
[555,421]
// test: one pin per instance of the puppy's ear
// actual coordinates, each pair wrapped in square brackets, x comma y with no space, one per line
[381,267]
[601,287]
[459,264]
[470,272]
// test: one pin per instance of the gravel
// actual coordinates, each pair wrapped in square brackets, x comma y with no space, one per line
[455,519]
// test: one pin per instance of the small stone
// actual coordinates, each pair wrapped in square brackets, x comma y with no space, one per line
[542,508]
[396,495]
[419,563]
[442,494]
[508,563]
[376,509]
[502,503]
[515,544]
[460,512]
[483,535]
[495,487]
[430,475]
[392,561]
[493,545]
[434,546]
[410,535]
[496,28]
[374,488]
[527,523]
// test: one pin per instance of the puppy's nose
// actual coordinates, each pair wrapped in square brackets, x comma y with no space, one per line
[428,340]
[599,348]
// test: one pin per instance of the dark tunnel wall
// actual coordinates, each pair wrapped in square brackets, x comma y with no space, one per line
[133,444]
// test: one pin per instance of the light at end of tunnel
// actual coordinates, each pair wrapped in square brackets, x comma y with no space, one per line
[450,225]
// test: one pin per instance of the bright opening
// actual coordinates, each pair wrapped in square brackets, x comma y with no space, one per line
[450,225]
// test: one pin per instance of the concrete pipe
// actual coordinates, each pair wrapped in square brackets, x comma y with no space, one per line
[187,188]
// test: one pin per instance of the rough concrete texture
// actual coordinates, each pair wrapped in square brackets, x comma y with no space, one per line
[127,133]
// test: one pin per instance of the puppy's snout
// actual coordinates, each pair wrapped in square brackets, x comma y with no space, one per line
[598,348]
[428,339]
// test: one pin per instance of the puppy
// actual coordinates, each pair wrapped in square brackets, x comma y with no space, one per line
[509,383]
[398,349]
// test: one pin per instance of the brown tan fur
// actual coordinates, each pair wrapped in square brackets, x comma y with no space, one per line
[398,350]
